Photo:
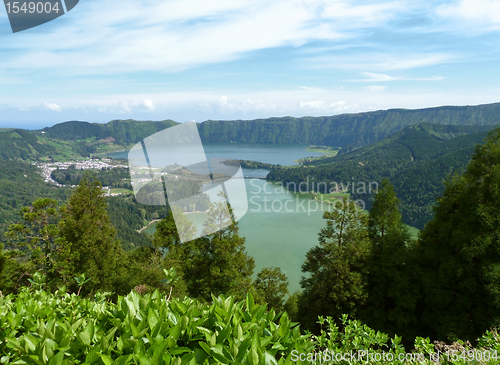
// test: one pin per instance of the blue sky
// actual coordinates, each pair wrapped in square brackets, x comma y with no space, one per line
[237,59]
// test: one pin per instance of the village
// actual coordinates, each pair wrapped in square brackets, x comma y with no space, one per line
[89,164]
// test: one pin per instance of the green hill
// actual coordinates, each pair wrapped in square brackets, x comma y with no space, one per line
[76,139]
[123,131]
[19,144]
[416,160]
[73,140]
[20,184]
[347,129]
[339,130]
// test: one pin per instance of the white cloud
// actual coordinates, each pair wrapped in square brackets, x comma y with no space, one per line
[375,89]
[124,106]
[331,108]
[372,13]
[379,61]
[312,104]
[53,107]
[148,104]
[375,77]
[482,11]
[202,105]
[181,34]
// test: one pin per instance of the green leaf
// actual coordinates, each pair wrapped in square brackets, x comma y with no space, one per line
[205,348]
[253,357]
[269,359]
[143,360]
[152,318]
[87,334]
[179,350]
[57,359]
[123,360]
[106,359]
[250,302]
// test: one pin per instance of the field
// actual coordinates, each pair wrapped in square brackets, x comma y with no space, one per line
[120,191]
[327,151]
[330,198]
[413,231]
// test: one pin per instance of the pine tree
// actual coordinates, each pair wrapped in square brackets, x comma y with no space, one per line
[392,280]
[87,243]
[460,250]
[385,217]
[218,262]
[214,264]
[271,287]
[169,252]
[35,237]
[337,267]
[13,273]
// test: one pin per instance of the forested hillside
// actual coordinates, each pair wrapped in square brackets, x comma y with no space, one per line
[76,139]
[347,129]
[339,130]
[19,144]
[123,131]
[22,183]
[416,160]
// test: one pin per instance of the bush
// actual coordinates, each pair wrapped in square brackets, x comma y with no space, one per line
[38,327]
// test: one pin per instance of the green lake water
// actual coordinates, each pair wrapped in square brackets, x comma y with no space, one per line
[280,226]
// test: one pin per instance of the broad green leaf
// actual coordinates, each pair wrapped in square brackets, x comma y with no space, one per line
[106,359]
[152,318]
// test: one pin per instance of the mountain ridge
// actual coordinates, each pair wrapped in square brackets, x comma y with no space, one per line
[358,129]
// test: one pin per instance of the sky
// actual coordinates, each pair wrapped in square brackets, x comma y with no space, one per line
[236,59]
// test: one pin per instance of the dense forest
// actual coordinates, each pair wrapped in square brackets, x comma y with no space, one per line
[117,177]
[21,184]
[356,130]
[416,160]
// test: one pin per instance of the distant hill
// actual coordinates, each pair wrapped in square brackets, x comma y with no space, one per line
[19,144]
[79,139]
[356,130]
[20,184]
[123,131]
[74,139]
[416,160]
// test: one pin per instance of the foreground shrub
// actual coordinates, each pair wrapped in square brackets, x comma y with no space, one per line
[37,327]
